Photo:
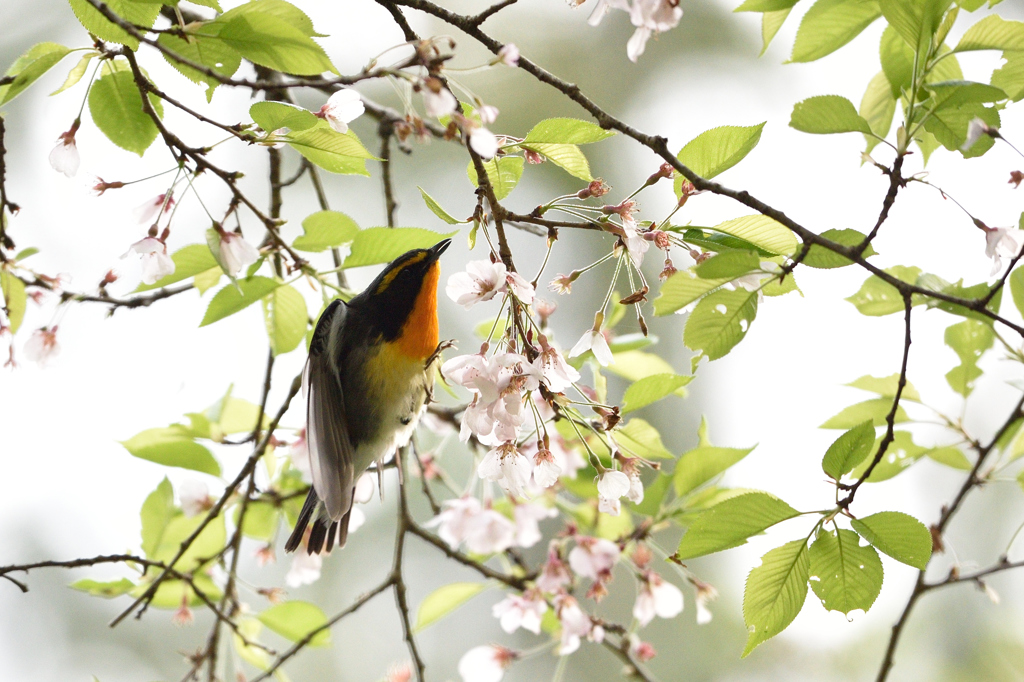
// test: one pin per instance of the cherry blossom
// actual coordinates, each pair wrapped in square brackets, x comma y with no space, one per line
[520,287]
[195,497]
[999,242]
[575,624]
[527,517]
[490,532]
[603,7]
[148,210]
[481,280]
[509,55]
[183,616]
[650,17]
[705,593]
[342,108]
[636,244]
[508,467]
[156,264]
[657,597]
[593,340]
[557,373]
[555,574]
[562,284]
[594,558]
[437,99]
[975,129]
[64,158]
[305,569]
[610,488]
[401,672]
[488,113]
[42,346]
[483,141]
[456,517]
[642,651]
[485,663]
[236,253]
[517,611]
[545,469]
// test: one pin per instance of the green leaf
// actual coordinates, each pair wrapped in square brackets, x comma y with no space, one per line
[706,238]
[877,297]
[897,62]
[568,157]
[652,389]
[567,131]
[820,257]
[703,463]
[138,13]
[950,456]
[899,535]
[206,547]
[641,440]
[1010,76]
[845,575]
[325,229]
[262,38]
[1016,282]
[886,387]
[830,24]
[728,265]
[849,450]
[827,114]
[877,107]
[915,20]
[900,454]
[634,365]
[261,521]
[720,321]
[169,447]
[273,115]
[771,22]
[875,410]
[949,126]
[765,5]
[954,93]
[202,47]
[75,74]
[654,495]
[15,299]
[959,290]
[108,590]
[376,245]
[681,289]
[234,415]
[775,592]
[27,68]
[336,152]
[280,11]
[284,311]
[116,107]
[208,279]
[717,150]
[969,340]
[728,524]
[993,33]
[237,296]
[503,172]
[157,511]
[189,261]
[761,231]
[294,620]
[444,600]
[436,209]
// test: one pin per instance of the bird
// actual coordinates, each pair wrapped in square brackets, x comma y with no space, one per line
[368,378]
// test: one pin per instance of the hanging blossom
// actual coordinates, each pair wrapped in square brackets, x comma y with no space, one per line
[527,518]
[610,488]
[156,264]
[545,469]
[650,18]
[999,242]
[341,108]
[635,242]
[975,129]
[593,340]
[195,497]
[42,346]
[594,558]
[500,383]
[484,531]
[705,593]
[64,158]
[486,663]
[150,209]
[482,280]
[305,569]
[554,371]
[657,597]
[437,99]
[555,574]
[509,55]
[523,611]
[235,252]
[575,624]
[507,466]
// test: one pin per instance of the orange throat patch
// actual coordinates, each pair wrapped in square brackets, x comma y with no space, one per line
[420,334]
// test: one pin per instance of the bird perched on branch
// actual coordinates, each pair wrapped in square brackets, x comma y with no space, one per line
[367,380]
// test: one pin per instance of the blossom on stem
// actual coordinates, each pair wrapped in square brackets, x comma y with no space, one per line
[156,264]
[509,55]
[489,533]
[488,114]
[610,488]
[575,624]
[456,517]
[555,574]
[545,469]
[508,467]
[999,242]
[305,569]
[485,663]
[594,558]
[650,17]
[236,253]
[150,208]
[195,497]
[64,157]
[343,107]
[593,340]
[563,283]
[483,141]
[527,517]
[705,593]
[975,129]
[42,346]
[556,372]
[437,99]
[183,616]
[523,611]
[481,280]
[657,597]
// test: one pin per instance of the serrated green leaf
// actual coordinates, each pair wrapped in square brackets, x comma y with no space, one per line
[436,209]
[641,440]
[707,238]
[698,466]
[775,592]
[728,265]
[336,152]
[652,389]
[443,601]
[567,131]
[886,387]
[27,68]
[897,62]
[761,231]
[273,115]
[234,415]
[107,590]
[294,620]
[730,523]
[237,296]
[15,299]
[167,446]
[993,33]
[1016,282]
[503,172]
[877,297]
[720,321]
[116,108]
[377,245]
[950,456]
[843,574]
[959,290]
[189,261]
[954,93]
[827,114]
[1010,76]
[969,340]
[899,535]
[286,317]
[325,229]
[877,107]
[830,24]
[681,289]
[278,10]
[915,20]
[771,22]
[717,150]
[140,14]
[202,47]
[157,511]
[949,126]
[765,5]
[849,450]
[262,38]
[875,410]
[820,257]
[568,157]
[900,454]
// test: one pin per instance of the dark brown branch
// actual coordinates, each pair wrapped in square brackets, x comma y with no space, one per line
[896,181]
[385,131]
[403,23]
[491,11]
[5,204]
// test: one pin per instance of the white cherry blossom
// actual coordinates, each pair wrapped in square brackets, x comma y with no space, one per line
[705,593]
[610,488]
[236,253]
[593,340]
[650,17]
[148,210]
[657,597]
[575,624]
[556,372]
[593,558]
[64,158]
[517,611]
[527,517]
[195,496]
[483,142]
[481,280]
[555,574]
[342,108]
[305,569]
[156,264]
[485,663]
[455,520]
[1002,241]
[509,55]
[508,467]
[42,346]
[545,469]
[489,533]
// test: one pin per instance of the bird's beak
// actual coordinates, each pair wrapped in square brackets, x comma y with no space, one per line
[437,249]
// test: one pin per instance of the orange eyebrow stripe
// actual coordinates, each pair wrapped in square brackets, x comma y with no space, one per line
[390,277]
